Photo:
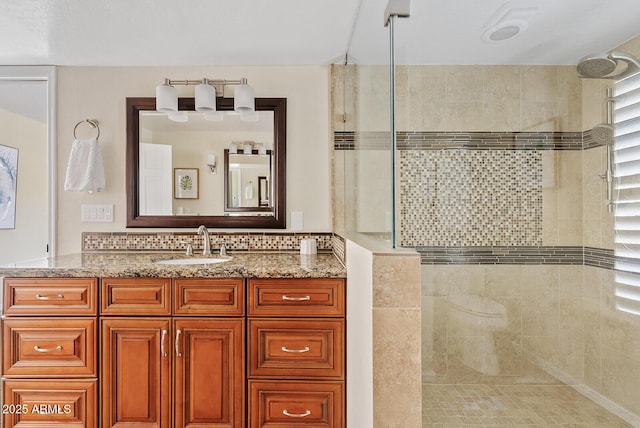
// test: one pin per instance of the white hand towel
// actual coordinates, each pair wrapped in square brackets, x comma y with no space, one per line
[85,171]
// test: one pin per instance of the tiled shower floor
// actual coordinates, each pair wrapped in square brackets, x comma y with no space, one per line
[538,406]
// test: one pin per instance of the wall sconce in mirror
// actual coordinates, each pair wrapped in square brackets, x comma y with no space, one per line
[206,93]
[211,163]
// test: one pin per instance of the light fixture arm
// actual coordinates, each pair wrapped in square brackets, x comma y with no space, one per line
[218,84]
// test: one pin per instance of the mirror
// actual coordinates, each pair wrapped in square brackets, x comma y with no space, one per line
[245,173]
[181,174]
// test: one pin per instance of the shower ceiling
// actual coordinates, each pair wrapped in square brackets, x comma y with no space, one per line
[301,32]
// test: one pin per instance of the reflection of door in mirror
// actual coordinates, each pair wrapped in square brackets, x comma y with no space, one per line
[155,179]
[263,191]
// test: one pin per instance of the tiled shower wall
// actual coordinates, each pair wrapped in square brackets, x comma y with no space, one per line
[557,284]
[470,198]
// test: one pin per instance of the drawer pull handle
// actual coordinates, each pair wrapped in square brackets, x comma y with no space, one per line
[178,353]
[163,352]
[39,349]
[41,297]
[296,415]
[296,299]
[295,351]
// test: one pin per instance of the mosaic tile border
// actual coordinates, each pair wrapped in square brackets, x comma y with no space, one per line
[169,241]
[534,255]
[434,140]
[540,255]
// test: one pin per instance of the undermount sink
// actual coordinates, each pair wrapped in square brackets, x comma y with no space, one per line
[194,261]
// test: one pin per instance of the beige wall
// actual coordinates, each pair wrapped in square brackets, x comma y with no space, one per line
[100,92]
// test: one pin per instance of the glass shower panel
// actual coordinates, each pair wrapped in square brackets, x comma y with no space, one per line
[362,162]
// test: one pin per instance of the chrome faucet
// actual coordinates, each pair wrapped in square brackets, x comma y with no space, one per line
[206,242]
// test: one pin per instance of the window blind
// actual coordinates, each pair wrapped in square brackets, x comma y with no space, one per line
[626,158]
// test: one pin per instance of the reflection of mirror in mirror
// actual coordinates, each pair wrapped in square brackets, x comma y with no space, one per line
[166,145]
[246,173]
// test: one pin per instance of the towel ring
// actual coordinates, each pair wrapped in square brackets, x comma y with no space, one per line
[92,123]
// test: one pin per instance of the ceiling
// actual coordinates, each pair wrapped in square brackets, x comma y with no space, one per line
[303,32]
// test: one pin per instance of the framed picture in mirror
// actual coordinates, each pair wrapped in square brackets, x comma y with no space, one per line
[186,183]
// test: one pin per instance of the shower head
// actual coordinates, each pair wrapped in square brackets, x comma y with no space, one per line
[603,134]
[606,66]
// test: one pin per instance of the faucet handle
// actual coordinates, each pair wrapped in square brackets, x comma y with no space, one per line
[223,250]
[189,247]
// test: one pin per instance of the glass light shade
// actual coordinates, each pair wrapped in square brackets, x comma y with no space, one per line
[205,98]
[178,116]
[243,98]
[166,98]
[249,116]
[213,116]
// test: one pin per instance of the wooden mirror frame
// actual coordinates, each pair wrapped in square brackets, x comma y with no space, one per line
[277,221]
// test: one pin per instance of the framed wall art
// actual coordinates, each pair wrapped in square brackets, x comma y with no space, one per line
[8,186]
[185,183]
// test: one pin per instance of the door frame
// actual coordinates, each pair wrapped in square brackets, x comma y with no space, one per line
[47,74]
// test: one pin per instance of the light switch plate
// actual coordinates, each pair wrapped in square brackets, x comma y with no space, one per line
[90,213]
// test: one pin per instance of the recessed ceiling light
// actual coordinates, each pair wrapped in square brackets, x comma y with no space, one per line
[504,31]
[507,22]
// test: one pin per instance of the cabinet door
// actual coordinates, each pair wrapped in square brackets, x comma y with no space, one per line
[209,373]
[135,374]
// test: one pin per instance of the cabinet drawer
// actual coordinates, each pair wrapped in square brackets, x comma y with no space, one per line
[50,296]
[296,348]
[135,296]
[224,297]
[45,348]
[296,297]
[69,403]
[296,404]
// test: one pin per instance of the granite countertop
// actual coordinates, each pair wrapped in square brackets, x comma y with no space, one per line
[142,264]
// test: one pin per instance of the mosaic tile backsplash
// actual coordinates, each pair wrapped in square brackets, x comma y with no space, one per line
[470,197]
[169,241]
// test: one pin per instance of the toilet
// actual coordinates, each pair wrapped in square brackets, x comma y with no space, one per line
[477,316]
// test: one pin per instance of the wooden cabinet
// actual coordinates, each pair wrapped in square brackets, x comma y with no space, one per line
[192,369]
[209,373]
[173,353]
[135,377]
[49,359]
[296,353]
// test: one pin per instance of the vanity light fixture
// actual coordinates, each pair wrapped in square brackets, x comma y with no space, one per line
[166,97]
[205,97]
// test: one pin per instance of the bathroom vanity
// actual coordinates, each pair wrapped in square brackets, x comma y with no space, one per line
[117,339]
